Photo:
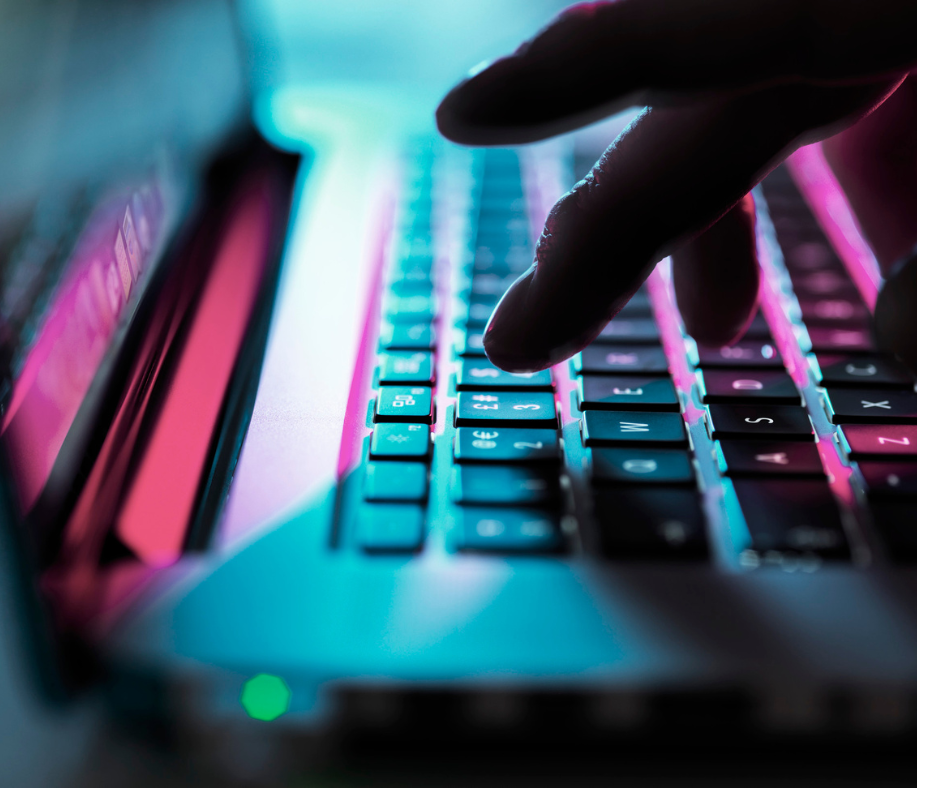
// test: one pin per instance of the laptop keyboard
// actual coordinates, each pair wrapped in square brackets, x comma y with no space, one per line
[644,447]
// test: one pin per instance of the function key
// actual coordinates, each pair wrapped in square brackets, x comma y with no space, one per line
[400,441]
[637,330]
[506,485]
[508,444]
[404,403]
[867,406]
[601,427]
[396,481]
[832,339]
[651,523]
[635,392]
[834,311]
[500,530]
[390,527]
[759,421]
[399,367]
[506,409]
[878,440]
[416,336]
[889,479]
[479,374]
[748,353]
[469,343]
[758,385]
[769,458]
[868,370]
[786,516]
[641,466]
[619,359]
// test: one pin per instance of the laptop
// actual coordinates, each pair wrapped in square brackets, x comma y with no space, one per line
[264,494]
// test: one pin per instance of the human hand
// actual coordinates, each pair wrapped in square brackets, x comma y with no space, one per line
[732,86]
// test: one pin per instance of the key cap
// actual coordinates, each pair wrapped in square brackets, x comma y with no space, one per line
[889,479]
[505,445]
[868,371]
[748,353]
[416,277]
[479,374]
[506,409]
[396,481]
[404,403]
[414,336]
[758,385]
[410,309]
[407,287]
[791,516]
[499,530]
[469,343]
[814,255]
[400,441]
[601,427]
[490,284]
[895,520]
[479,309]
[636,330]
[635,392]
[390,528]
[402,367]
[865,406]
[832,284]
[641,466]
[759,421]
[651,523]
[831,339]
[503,262]
[618,359]
[768,458]
[834,311]
[877,441]
[506,485]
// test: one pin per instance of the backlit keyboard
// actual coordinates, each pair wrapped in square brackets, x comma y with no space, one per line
[790,449]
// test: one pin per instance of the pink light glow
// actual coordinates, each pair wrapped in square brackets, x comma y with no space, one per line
[156,513]
[821,190]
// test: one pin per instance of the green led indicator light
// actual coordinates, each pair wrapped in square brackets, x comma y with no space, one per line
[265,697]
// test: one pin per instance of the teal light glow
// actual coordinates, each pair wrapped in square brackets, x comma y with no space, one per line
[265,697]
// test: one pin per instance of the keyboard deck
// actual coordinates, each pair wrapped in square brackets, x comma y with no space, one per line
[793,448]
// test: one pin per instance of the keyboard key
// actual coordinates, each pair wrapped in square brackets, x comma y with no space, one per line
[469,343]
[867,370]
[812,255]
[759,328]
[831,283]
[399,367]
[510,530]
[889,479]
[404,403]
[390,527]
[758,385]
[506,409]
[637,392]
[410,309]
[479,309]
[830,339]
[505,445]
[601,427]
[618,359]
[651,523]
[895,520]
[769,458]
[400,441]
[638,306]
[490,284]
[865,406]
[479,374]
[416,336]
[641,466]
[791,516]
[396,481]
[748,353]
[506,485]
[834,311]
[759,421]
[637,330]
[878,441]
